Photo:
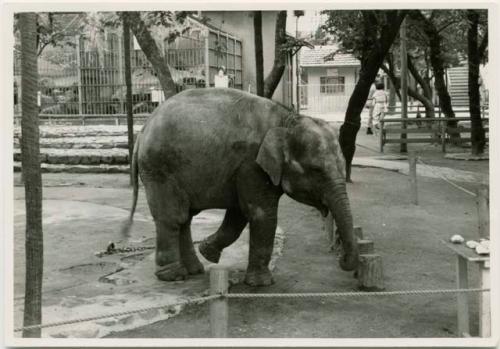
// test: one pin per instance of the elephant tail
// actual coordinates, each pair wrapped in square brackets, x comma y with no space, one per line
[134,168]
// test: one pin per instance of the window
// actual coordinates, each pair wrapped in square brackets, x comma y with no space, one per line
[332,84]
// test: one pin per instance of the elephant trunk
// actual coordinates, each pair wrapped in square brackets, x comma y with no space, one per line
[338,203]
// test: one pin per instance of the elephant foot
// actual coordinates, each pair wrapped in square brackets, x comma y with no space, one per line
[194,267]
[211,253]
[171,272]
[259,278]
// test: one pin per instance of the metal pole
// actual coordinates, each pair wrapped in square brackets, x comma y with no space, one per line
[297,67]
[404,85]
[218,307]
[128,83]
[207,63]
[79,75]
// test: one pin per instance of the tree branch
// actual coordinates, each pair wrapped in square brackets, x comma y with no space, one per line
[274,77]
[439,30]
[152,51]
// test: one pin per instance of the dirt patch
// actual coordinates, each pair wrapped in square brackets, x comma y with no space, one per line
[408,238]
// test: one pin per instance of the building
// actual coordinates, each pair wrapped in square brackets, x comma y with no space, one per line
[209,41]
[328,79]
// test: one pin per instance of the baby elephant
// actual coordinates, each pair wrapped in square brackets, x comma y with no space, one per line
[228,149]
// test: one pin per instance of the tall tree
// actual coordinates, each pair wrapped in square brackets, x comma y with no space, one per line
[259,52]
[432,24]
[30,159]
[369,35]
[476,51]
[142,25]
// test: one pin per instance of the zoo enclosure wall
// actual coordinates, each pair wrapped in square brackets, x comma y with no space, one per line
[88,77]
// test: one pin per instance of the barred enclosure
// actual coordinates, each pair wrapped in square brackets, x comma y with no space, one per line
[88,79]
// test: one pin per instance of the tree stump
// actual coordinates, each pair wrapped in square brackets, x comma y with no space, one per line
[365,247]
[370,273]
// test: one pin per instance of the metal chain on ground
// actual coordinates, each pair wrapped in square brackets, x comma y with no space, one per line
[446,179]
[354,294]
[122,313]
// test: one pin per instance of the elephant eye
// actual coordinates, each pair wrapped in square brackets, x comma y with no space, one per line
[315,168]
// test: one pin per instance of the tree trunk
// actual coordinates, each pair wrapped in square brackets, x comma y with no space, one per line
[426,98]
[478,138]
[274,77]
[152,51]
[259,52]
[368,73]
[30,157]
[128,100]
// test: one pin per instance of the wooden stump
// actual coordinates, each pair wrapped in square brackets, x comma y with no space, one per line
[365,247]
[370,273]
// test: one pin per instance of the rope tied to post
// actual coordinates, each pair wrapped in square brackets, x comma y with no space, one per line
[118,314]
[225,295]
[446,179]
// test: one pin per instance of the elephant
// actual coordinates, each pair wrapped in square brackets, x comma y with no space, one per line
[222,148]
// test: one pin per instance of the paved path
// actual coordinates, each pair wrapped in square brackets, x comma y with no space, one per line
[402,166]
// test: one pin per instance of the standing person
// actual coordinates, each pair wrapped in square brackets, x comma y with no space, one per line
[370,105]
[380,102]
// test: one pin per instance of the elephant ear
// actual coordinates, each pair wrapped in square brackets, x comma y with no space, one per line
[272,153]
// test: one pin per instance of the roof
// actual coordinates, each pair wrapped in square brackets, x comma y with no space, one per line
[320,56]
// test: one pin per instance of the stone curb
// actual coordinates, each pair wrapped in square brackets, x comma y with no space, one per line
[59,168]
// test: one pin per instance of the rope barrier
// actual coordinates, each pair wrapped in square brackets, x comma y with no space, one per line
[122,313]
[364,146]
[353,294]
[255,295]
[446,179]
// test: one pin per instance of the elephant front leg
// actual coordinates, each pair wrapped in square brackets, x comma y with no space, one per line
[262,232]
[259,202]
[168,255]
[230,230]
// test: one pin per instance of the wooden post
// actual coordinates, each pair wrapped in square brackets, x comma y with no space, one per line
[483,212]
[218,307]
[462,298]
[381,136]
[365,247]
[412,158]
[370,273]
[484,301]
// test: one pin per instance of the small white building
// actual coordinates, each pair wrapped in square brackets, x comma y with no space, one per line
[328,79]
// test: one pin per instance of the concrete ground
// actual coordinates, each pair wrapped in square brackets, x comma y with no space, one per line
[77,283]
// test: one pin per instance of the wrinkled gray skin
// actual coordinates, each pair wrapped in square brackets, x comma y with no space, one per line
[227,149]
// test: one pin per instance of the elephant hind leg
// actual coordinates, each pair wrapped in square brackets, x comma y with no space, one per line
[170,211]
[168,255]
[188,254]
[230,230]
